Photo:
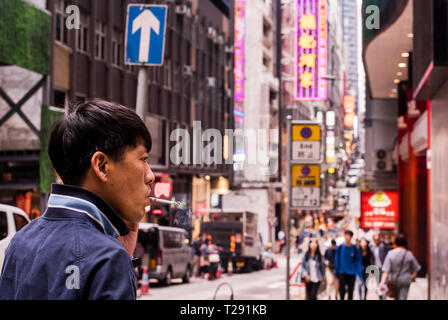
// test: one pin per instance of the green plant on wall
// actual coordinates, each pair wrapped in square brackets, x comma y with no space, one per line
[24,36]
[50,116]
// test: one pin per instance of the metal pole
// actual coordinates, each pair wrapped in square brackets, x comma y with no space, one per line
[288,202]
[280,89]
[142,93]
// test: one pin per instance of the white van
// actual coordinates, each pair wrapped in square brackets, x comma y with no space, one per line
[165,252]
[12,219]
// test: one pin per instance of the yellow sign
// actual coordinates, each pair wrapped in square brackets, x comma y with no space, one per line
[305,176]
[305,132]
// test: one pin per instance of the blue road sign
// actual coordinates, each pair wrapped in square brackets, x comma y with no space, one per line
[145,34]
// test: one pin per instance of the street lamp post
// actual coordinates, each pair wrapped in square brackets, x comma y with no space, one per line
[288,207]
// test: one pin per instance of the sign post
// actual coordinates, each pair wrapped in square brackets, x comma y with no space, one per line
[145,44]
[304,155]
[288,207]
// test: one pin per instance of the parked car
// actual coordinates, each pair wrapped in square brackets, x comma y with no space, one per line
[165,252]
[12,219]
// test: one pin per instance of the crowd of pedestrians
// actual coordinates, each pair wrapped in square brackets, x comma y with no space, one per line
[351,262]
[206,258]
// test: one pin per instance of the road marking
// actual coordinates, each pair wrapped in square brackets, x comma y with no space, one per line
[275,285]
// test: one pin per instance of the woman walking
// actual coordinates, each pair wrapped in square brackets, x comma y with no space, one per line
[400,269]
[313,270]
[367,260]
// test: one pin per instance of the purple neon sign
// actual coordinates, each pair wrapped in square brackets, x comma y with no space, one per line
[239,49]
[311,50]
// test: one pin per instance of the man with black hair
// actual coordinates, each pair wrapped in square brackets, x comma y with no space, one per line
[348,264]
[332,281]
[81,247]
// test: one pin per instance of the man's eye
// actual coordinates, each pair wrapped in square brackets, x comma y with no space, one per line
[145,159]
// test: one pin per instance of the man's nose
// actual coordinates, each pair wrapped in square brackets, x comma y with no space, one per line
[149,177]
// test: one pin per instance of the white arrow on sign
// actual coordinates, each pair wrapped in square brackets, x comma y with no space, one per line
[146,21]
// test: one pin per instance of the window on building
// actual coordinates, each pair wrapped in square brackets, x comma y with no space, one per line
[59,98]
[176,77]
[83,34]
[117,48]
[266,29]
[3,225]
[60,16]
[167,74]
[100,40]
[158,129]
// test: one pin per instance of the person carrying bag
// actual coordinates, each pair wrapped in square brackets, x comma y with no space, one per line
[401,267]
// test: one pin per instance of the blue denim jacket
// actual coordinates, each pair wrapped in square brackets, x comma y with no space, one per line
[70,253]
[320,266]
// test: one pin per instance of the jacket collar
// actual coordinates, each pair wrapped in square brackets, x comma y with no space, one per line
[88,205]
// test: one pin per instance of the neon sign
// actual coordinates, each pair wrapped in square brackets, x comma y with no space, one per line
[162,189]
[311,50]
[239,49]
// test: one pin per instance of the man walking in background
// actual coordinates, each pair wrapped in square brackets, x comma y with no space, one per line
[348,264]
[332,281]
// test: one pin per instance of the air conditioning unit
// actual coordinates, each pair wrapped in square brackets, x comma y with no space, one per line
[383,160]
[228,48]
[181,9]
[211,82]
[211,33]
[220,40]
[187,70]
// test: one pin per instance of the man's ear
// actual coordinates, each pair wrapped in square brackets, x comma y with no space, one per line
[100,165]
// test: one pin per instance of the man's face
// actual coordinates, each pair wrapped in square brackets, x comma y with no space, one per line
[130,184]
[348,238]
[376,239]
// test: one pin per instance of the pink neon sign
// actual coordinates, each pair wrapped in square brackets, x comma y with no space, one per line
[311,50]
[239,49]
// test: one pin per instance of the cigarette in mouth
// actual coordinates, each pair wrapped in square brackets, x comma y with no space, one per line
[161,201]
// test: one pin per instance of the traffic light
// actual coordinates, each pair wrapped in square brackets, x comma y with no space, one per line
[232,243]
[331,170]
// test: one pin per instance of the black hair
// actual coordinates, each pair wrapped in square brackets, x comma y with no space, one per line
[349,232]
[318,255]
[400,240]
[333,242]
[92,126]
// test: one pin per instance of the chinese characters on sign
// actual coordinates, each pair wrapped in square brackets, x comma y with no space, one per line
[305,184]
[379,209]
[305,142]
[239,49]
[311,50]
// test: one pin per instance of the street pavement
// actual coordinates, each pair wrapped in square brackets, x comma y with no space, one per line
[257,285]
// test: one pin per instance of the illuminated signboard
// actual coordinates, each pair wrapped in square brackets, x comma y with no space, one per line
[379,209]
[239,49]
[157,212]
[349,103]
[162,189]
[311,50]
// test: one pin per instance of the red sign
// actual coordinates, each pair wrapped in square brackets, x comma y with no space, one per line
[162,189]
[157,212]
[379,209]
